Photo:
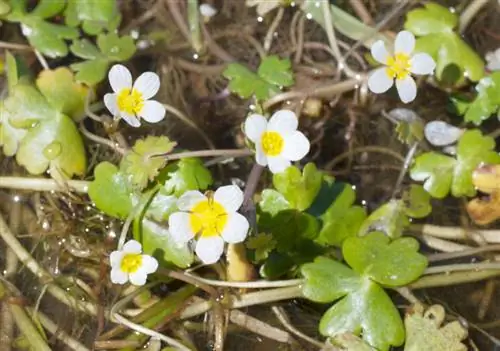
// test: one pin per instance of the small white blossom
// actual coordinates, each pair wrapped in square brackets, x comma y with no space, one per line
[399,66]
[277,141]
[131,102]
[128,264]
[493,60]
[207,10]
[211,219]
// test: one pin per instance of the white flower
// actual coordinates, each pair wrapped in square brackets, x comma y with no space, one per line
[207,10]
[211,219]
[129,264]
[399,67]
[278,141]
[131,102]
[493,60]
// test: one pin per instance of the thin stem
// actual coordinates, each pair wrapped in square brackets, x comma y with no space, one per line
[456,233]
[280,313]
[361,11]
[454,278]
[370,148]
[463,267]
[173,7]
[41,59]
[443,245]
[463,253]
[115,146]
[14,46]
[207,153]
[406,164]
[194,25]
[470,12]
[249,285]
[43,184]
[272,29]
[28,329]
[259,327]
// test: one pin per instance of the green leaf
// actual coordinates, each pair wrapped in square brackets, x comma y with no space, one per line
[10,137]
[417,202]
[95,14]
[425,330]
[187,174]
[62,92]
[390,218]
[262,244]
[111,191]
[276,265]
[272,74]
[441,173]
[144,161]
[91,72]
[342,219]
[48,8]
[157,241]
[56,144]
[162,206]
[4,7]
[434,25]
[299,188]
[275,71]
[369,310]
[273,202]
[85,49]
[27,106]
[12,71]
[486,102]
[327,280]
[116,48]
[391,263]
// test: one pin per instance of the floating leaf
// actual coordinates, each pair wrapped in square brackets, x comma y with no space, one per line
[27,106]
[110,48]
[434,25]
[10,137]
[364,307]
[46,37]
[342,219]
[440,133]
[157,241]
[425,330]
[187,174]
[273,202]
[409,125]
[272,74]
[391,263]
[299,188]
[162,206]
[262,244]
[485,210]
[442,173]
[145,160]
[111,191]
[390,218]
[417,202]
[62,92]
[95,15]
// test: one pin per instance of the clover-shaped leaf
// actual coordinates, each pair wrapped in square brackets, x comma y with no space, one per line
[341,220]
[27,106]
[95,15]
[262,244]
[391,263]
[425,330]
[145,160]
[111,191]
[364,307]
[110,48]
[417,202]
[409,125]
[299,188]
[162,206]
[186,174]
[273,202]
[486,102]
[442,173]
[62,92]
[46,37]
[434,26]
[10,137]
[157,241]
[272,74]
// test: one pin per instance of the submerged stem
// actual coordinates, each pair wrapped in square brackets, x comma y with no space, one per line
[43,184]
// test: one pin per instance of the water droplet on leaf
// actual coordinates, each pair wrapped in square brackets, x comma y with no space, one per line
[53,150]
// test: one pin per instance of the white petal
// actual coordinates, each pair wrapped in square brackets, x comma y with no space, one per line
[229,196]
[422,63]
[283,121]
[260,156]
[132,246]
[278,164]
[147,84]
[149,264]
[379,52]
[255,125]
[111,104]
[180,228]
[379,81]
[207,10]
[119,78]
[118,276]
[209,249]
[189,199]
[405,43]
[407,89]
[236,228]
[138,278]
[130,119]
[115,258]
[152,111]
[296,146]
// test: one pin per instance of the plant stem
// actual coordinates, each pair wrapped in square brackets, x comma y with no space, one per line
[28,329]
[194,25]
[463,267]
[249,285]
[272,28]
[470,11]
[207,153]
[456,233]
[454,278]
[250,299]
[467,252]
[43,184]
[369,148]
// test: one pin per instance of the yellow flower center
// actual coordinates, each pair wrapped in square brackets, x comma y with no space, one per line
[131,263]
[131,102]
[398,66]
[208,218]
[272,143]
